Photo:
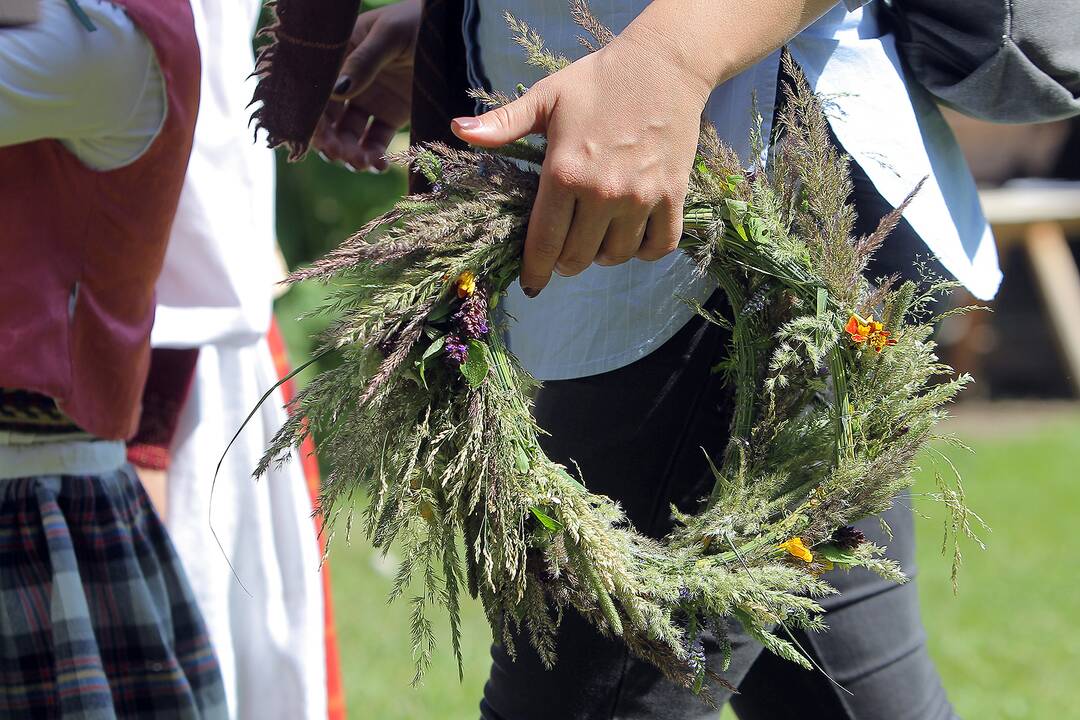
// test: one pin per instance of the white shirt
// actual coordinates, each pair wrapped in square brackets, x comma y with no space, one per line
[100,93]
[608,317]
[220,266]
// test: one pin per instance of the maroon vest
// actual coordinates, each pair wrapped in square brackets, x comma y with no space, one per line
[80,250]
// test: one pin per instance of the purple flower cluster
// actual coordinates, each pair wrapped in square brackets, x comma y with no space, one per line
[456,349]
[848,538]
[469,322]
[696,656]
[471,319]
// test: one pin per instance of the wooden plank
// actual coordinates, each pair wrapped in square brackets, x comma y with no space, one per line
[1059,283]
[1027,204]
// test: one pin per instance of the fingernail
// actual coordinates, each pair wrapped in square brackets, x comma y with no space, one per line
[343,85]
[468,123]
[531,292]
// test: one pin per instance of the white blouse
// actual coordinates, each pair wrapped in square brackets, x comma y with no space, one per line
[101,93]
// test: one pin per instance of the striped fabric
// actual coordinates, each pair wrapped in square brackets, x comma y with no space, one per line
[96,617]
[32,413]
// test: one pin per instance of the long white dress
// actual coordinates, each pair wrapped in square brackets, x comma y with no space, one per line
[214,293]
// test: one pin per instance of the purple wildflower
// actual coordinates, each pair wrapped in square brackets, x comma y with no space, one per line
[471,319]
[848,538]
[695,656]
[455,349]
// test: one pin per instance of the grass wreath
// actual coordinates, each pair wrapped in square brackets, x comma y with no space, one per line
[837,387]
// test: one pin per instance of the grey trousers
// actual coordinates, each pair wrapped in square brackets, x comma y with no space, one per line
[637,433]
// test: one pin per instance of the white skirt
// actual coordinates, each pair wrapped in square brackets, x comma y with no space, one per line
[269,638]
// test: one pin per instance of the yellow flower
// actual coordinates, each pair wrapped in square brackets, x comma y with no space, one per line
[466,284]
[795,548]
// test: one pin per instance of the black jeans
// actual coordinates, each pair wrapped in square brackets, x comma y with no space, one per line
[637,434]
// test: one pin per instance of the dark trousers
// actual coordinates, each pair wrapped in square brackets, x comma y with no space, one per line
[637,434]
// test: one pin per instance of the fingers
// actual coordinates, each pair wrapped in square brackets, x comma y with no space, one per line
[375,143]
[624,237]
[513,121]
[663,231]
[583,240]
[549,222]
[338,136]
[370,52]
[577,221]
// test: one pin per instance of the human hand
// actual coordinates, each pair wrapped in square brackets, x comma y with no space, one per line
[622,126]
[373,95]
[155,483]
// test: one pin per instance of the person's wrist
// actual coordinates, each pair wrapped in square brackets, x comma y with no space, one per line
[654,48]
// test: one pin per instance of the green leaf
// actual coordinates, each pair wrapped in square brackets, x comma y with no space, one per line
[737,210]
[546,520]
[521,460]
[430,355]
[434,347]
[476,365]
[836,555]
[441,311]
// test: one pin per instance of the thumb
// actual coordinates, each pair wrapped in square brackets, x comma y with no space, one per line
[513,121]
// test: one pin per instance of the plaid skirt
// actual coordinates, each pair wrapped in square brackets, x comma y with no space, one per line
[96,617]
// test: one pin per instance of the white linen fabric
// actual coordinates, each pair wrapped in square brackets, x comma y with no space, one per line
[101,93]
[217,280]
[268,632]
[214,293]
[608,317]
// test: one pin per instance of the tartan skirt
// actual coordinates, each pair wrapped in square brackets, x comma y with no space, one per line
[96,617]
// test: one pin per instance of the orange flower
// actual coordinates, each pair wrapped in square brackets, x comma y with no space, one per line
[880,340]
[857,328]
[466,284]
[868,331]
[795,548]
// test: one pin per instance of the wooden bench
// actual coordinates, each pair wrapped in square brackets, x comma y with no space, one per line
[1039,217]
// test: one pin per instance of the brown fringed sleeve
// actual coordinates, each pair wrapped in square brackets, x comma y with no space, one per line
[298,67]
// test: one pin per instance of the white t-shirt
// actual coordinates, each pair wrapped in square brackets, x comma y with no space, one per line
[100,93]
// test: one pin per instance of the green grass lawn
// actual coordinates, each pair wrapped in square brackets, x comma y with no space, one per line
[1007,646]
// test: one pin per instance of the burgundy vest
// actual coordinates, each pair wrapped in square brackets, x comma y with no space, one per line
[80,250]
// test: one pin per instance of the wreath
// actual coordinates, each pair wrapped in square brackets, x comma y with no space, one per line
[427,416]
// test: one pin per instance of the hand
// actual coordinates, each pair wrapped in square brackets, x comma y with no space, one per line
[155,483]
[622,127]
[373,96]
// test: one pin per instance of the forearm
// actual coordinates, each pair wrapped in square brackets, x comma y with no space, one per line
[714,41]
